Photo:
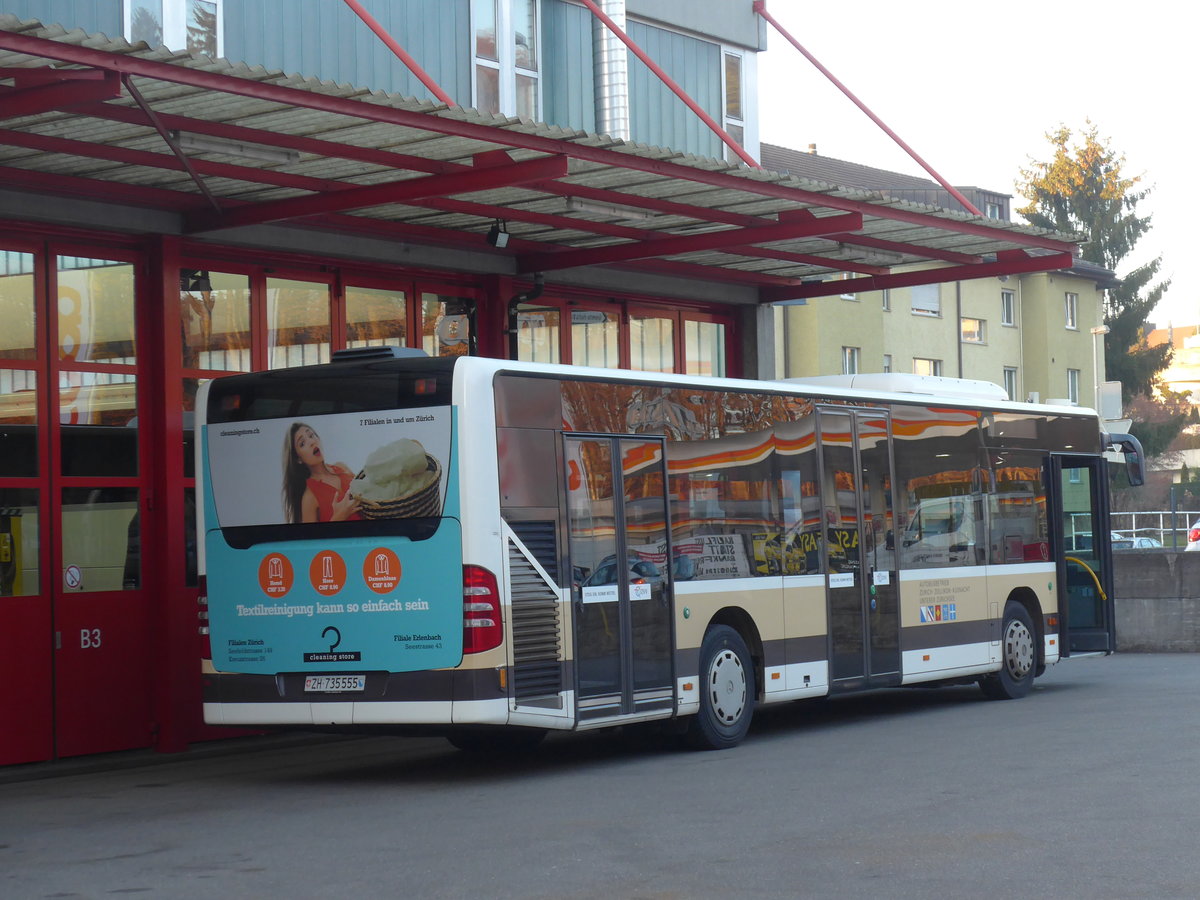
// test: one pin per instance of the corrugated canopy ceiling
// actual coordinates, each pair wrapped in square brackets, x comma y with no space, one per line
[224,145]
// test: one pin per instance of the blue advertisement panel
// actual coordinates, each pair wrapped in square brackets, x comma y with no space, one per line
[374,600]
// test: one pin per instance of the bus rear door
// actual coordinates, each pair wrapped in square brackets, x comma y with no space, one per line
[622,591]
[862,583]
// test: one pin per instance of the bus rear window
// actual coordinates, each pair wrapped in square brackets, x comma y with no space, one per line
[329,446]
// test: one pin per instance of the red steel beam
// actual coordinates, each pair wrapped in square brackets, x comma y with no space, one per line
[760,7]
[48,49]
[60,94]
[485,179]
[242,133]
[67,146]
[413,66]
[671,84]
[861,240]
[763,234]
[1009,265]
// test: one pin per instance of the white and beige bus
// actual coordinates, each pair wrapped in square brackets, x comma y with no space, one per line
[494,549]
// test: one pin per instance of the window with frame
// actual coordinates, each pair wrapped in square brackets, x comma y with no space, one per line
[1073,385]
[850,357]
[886,299]
[735,123]
[1071,310]
[192,25]
[506,50]
[993,210]
[927,300]
[1010,382]
[1008,308]
[887,362]
[923,366]
[974,331]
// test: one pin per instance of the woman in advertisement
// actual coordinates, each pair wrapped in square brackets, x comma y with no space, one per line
[314,490]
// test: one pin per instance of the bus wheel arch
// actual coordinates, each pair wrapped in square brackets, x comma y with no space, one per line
[741,622]
[728,686]
[1018,654]
[1027,598]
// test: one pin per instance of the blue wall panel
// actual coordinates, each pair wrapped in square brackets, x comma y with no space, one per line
[656,115]
[92,16]
[568,81]
[326,40]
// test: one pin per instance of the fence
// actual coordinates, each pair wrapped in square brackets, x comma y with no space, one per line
[1171,528]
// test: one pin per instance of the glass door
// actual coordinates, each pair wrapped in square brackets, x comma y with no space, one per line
[1082,533]
[862,581]
[621,584]
[26,660]
[103,652]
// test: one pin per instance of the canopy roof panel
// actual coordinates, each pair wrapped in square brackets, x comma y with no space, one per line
[226,145]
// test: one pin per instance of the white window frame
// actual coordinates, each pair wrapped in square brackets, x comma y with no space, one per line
[1008,308]
[729,120]
[993,210]
[886,299]
[506,62]
[174,23]
[887,362]
[1073,385]
[935,366]
[1011,381]
[850,360]
[1071,310]
[982,330]
[748,121]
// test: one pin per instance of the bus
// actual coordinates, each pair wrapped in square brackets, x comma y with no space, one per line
[492,550]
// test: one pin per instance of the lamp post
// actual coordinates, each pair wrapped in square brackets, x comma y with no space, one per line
[1097,333]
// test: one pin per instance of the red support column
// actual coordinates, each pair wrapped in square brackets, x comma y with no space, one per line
[491,316]
[176,663]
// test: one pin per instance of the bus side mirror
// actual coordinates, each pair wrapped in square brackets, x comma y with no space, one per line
[1135,458]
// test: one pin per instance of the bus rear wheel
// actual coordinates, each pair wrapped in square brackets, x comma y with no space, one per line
[726,691]
[1018,656]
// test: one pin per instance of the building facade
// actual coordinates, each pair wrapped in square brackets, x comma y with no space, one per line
[1033,334]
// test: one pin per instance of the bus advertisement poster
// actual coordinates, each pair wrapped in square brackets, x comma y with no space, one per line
[337,467]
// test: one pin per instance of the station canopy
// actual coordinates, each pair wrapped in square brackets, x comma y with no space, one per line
[224,145]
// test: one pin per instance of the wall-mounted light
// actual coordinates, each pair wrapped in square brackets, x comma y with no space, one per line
[497,235]
[206,143]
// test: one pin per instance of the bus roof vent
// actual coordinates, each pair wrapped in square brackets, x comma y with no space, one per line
[362,354]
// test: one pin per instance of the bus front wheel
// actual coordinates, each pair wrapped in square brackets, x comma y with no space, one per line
[1018,656]
[726,691]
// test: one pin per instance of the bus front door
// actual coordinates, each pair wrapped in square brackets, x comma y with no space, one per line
[1084,557]
[620,548]
[862,581]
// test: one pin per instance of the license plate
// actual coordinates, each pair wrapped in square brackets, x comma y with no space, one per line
[335,684]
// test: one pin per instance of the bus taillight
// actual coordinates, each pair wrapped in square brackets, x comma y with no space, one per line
[483,628]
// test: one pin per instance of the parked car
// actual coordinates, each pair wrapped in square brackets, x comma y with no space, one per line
[1194,536]
[1083,540]
[1137,543]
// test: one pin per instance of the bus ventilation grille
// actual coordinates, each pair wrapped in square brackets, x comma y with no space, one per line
[537,644]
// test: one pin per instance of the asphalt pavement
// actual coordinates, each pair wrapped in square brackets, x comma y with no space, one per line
[1086,788]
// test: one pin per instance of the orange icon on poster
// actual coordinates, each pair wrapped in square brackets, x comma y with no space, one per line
[381,570]
[275,575]
[327,572]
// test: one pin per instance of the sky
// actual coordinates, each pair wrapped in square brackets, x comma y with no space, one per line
[974,87]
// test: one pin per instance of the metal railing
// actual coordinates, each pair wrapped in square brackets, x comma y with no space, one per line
[1171,528]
